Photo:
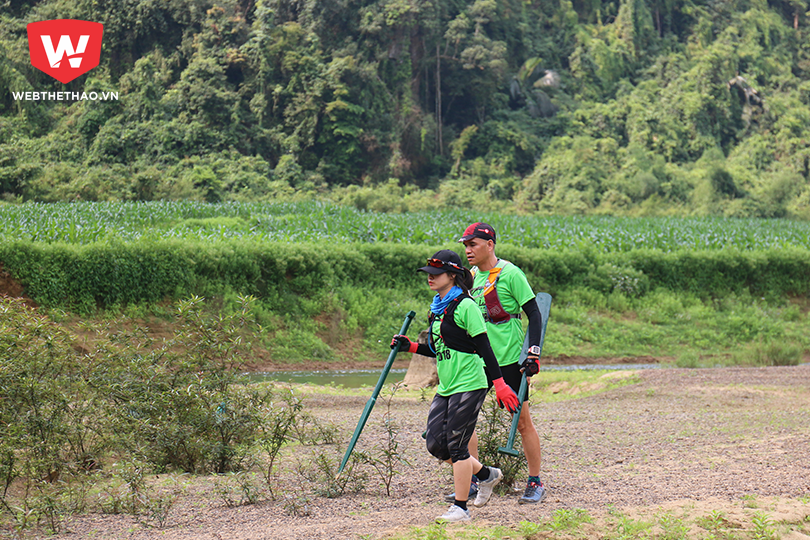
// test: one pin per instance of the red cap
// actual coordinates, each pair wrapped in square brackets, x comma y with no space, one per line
[478,230]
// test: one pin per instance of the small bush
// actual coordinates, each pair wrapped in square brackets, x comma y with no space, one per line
[239,489]
[772,353]
[321,470]
[156,406]
[385,457]
[177,405]
[45,432]
[688,359]
[493,433]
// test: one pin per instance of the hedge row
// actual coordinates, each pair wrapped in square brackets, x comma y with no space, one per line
[770,272]
[108,274]
[117,273]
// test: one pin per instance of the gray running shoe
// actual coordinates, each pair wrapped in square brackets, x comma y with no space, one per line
[485,487]
[534,493]
[455,513]
[451,497]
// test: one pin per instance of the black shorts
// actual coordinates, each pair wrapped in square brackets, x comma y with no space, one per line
[451,423]
[512,376]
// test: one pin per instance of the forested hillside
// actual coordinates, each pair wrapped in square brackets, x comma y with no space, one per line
[632,107]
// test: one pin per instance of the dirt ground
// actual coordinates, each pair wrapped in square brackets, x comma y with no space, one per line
[680,441]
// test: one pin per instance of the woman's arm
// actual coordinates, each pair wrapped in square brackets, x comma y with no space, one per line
[503,394]
[406,344]
[484,349]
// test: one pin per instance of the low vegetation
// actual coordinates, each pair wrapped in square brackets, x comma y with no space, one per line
[679,523]
[85,422]
[123,371]
[331,283]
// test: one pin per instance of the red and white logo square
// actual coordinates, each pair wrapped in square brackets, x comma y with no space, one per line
[65,48]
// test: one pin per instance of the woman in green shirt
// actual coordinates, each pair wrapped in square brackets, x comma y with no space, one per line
[465,363]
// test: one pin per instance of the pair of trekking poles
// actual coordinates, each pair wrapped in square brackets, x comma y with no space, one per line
[543,303]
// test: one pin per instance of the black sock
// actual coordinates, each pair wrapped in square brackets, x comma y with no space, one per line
[483,474]
[461,504]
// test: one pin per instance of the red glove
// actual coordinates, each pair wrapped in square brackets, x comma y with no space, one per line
[505,395]
[403,343]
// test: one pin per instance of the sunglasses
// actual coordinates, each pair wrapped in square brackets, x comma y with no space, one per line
[438,263]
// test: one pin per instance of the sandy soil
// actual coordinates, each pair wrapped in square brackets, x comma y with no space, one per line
[690,440]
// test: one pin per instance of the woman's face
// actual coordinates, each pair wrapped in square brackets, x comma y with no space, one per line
[441,283]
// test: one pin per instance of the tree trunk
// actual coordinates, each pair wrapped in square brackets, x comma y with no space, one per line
[422,369]
[439,102]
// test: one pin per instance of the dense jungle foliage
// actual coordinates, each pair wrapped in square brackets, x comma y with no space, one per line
[633,107]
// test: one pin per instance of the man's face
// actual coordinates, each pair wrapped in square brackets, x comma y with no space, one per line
[477,250]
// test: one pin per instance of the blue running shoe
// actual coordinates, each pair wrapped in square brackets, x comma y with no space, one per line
[471,497]
[535,492]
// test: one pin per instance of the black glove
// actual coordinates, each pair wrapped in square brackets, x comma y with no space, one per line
[530,366]
[403,343]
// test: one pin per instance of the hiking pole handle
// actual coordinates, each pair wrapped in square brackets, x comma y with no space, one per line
[521,395]
[402,331]
[373,399]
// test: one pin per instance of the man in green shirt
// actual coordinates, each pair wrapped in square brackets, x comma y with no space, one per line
[502,292]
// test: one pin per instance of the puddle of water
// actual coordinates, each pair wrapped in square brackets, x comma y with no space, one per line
[356,378]
[348,378]
[597,367]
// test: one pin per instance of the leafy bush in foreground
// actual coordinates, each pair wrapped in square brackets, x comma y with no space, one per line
[178,403]
[68,406]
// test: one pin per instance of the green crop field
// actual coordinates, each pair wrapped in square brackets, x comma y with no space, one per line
[85,223]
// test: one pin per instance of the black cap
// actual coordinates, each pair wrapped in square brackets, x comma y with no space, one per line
[443,261]
[478,230]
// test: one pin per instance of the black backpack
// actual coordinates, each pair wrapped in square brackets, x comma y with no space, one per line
[452,334]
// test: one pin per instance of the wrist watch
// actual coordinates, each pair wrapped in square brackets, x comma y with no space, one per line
[534,350]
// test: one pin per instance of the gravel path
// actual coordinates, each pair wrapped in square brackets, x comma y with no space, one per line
[709,436]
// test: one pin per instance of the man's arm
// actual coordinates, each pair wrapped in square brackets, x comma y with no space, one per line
[535,321]
[535,331]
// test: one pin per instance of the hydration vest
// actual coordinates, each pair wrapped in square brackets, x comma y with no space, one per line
[453,336]
[496,314]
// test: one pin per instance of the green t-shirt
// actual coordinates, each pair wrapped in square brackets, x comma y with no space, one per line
[458,371]
[513,291]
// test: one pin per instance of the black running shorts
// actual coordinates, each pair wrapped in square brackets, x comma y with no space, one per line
[512,376]
[451,423]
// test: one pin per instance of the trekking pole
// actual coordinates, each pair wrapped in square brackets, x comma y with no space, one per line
[373,399]
[544,304]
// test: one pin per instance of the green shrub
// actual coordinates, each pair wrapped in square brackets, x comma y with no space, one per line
[688,359]
[493,432]
[709,273]
[43,430]
[174,404]
[771,353]
[178,404]
[68,407]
